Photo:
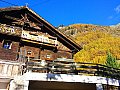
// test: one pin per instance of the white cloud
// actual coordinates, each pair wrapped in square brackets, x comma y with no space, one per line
[117,9]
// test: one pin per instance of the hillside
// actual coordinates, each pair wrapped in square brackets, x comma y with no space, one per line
[96,41]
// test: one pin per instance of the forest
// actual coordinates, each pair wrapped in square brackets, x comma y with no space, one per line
[98,42]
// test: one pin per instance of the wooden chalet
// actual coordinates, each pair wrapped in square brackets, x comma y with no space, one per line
[23,34]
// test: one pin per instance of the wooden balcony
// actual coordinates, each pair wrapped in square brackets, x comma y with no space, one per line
[34,37]
[10,30]
[39,38]
[70,67]
[9,69]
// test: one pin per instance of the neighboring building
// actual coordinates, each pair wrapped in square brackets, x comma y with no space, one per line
[30,47]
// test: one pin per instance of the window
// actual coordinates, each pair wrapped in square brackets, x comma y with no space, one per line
[48,56]
[28,52]
[7,44]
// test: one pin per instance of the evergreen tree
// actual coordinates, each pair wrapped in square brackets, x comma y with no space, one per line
[111,61]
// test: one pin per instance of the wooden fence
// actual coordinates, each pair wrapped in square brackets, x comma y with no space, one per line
[64,67]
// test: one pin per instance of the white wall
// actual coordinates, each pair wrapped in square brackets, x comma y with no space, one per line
[7,72]
[71,78]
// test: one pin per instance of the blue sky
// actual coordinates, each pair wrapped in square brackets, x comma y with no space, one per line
[66,12]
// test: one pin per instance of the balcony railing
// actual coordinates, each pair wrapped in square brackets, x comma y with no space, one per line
[39,38]
[65,67]
[10,30]
[10,69]
[28,36]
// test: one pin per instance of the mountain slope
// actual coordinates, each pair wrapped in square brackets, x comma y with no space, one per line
[96,41]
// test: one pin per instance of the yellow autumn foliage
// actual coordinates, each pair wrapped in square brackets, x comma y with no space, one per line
[96,44]
[96,41]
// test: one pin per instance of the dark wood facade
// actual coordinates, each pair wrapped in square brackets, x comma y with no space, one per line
[25,34]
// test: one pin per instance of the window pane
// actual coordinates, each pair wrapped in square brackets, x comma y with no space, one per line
[7,44]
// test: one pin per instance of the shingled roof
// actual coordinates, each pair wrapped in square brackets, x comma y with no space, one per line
[65,40]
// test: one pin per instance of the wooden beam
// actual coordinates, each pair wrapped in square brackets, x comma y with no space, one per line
[12,18]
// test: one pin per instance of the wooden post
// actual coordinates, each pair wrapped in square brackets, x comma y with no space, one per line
[39,53]
[18,53]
